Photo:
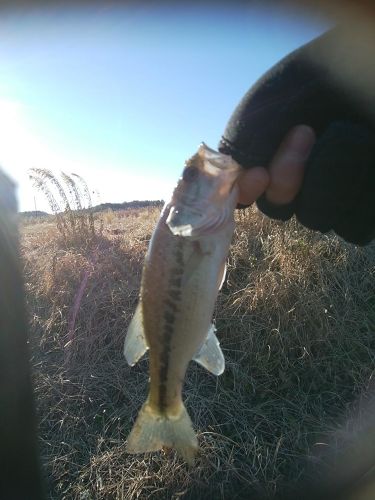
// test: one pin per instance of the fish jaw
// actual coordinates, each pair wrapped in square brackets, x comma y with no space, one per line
[186,221]
[206,194]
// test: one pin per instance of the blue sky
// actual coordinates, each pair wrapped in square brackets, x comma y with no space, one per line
[122,96]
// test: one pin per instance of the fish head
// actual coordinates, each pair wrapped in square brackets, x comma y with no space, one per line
[206,194]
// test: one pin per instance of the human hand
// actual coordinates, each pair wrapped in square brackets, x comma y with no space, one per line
[281,182]
[309,147]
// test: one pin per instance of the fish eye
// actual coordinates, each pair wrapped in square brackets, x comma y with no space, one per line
[190,174]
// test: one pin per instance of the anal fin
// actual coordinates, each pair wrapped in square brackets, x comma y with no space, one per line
[135,341]
[210,355]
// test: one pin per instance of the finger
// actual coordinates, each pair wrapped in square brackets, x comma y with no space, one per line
[287,166]
[252,183]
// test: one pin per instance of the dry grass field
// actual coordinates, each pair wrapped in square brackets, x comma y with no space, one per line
[296,321]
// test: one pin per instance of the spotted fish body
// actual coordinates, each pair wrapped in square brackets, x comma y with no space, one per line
[183,271]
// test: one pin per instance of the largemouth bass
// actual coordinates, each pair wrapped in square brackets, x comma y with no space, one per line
[182,274]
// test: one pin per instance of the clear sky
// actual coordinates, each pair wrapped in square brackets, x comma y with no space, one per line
[122,96]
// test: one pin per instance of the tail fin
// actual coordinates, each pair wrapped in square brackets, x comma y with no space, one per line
[153,431]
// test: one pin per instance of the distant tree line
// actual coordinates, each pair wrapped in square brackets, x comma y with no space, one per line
[103,206]
[128,204]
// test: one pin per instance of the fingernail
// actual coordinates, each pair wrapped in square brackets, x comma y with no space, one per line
[299,141]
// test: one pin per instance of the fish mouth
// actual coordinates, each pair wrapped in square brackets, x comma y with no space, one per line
[206,194]
[179,217]
[190,221]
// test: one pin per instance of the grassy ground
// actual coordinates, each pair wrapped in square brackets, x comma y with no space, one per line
[296,320]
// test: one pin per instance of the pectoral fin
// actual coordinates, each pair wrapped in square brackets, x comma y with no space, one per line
[135,341]
[222,275]
[210,355]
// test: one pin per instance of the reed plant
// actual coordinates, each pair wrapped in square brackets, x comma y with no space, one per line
[70,201]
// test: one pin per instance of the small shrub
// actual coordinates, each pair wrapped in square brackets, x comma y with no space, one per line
[70,201]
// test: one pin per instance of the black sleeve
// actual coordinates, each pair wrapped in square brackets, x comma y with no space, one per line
[338,191]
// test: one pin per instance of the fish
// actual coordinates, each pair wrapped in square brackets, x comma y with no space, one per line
[183,271]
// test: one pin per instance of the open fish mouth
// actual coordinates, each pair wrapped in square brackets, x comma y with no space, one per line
[202,223]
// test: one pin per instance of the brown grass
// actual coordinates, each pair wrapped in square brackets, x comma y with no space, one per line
[296,322]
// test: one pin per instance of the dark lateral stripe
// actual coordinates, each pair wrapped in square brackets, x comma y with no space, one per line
[176,282]
[171,305]
[177,271]
[164,366]
[169,316]
[179,254]
[174,294]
